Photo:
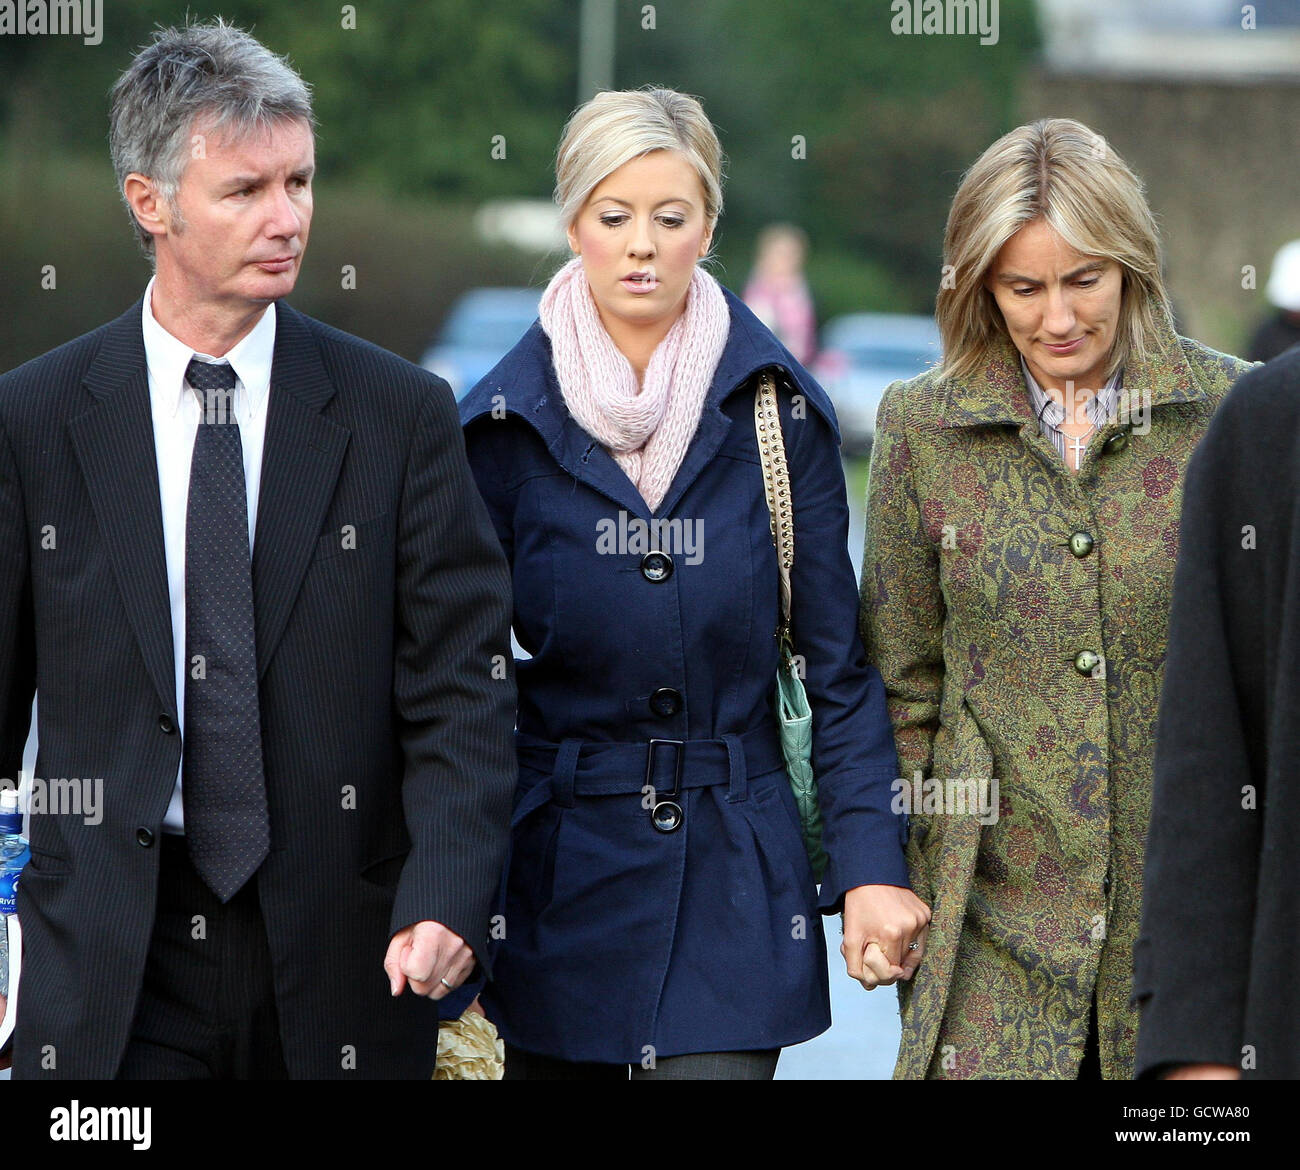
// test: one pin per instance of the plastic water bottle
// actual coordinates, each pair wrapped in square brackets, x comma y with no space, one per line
[13,856]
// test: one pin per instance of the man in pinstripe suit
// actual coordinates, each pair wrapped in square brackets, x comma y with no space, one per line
[305,743]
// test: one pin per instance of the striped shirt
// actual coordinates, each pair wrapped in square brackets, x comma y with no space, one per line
[1100,409]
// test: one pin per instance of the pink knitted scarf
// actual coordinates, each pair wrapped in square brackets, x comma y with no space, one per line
[647,428]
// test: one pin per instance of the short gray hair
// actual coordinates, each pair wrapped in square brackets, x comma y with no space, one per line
[213,70]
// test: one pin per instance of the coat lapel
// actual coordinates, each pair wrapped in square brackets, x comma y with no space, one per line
[581,455]
[1166,375]
[750,348]
[992,396]
[709,433]
[114,445]
[997,393]
[301,460]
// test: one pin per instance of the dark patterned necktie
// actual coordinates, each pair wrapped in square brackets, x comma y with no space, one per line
[223,789]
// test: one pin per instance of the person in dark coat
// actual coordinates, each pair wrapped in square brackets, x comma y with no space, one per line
[1225,819]
[615,447]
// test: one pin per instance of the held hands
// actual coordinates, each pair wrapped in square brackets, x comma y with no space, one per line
[424,955]
[879,923]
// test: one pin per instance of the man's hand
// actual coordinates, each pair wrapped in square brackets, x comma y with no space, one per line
[424,955]
[879,923]
[1203,1072]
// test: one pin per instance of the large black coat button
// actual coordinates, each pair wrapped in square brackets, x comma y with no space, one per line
[144,837]
[1115,444]
[666,816]
[656,566]
[1081,544]
[165,724]
[666,702]
[1086,661]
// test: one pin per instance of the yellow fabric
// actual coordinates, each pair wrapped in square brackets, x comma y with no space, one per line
[469,1049]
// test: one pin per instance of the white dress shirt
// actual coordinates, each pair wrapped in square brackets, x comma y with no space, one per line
[176,412]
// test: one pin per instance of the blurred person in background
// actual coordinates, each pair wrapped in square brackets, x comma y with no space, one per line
[1281,329]
[661,918]
[1022,527]
[777,292]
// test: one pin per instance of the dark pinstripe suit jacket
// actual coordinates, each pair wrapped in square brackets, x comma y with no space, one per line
[381,601]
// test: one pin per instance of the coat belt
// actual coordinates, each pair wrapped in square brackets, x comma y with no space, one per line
[595,768]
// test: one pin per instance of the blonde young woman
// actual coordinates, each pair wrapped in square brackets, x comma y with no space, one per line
[1022,528]
[660,913]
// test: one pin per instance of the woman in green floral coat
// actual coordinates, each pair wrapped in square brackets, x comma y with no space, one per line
[1022,522]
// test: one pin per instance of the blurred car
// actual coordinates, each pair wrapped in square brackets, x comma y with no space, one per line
[861,353]
[479,331]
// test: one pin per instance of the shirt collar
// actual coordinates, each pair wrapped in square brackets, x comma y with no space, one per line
[168,358]
[1100,406]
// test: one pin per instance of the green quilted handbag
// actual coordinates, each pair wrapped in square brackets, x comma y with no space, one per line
[793,712]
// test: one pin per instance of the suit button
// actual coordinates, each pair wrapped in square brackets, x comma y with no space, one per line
[1115,444]
[144,837]
[666,702]
[656,566]
[165,724]
[1086,661]
[1081,544]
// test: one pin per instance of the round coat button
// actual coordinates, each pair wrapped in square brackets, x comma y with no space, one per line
[1081,544]
[656,566]
[144,837]
[1086,661]
[1116,443]
[666,702]
[666,816]
[165,724]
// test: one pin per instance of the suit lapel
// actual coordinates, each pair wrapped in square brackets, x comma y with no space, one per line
[302,456]
[301,460]
[114,445]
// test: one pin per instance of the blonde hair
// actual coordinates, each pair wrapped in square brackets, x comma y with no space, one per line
[1057,170]
[617,126]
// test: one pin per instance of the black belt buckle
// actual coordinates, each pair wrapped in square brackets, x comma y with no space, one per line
[666,815]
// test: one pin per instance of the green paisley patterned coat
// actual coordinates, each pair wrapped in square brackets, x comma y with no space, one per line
[977,607]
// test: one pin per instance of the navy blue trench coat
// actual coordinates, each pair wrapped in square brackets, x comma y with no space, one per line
[653,665]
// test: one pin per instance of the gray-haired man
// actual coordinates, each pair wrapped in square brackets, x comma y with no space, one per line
[226,526]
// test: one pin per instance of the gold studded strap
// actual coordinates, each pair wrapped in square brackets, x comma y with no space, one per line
[776,486]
